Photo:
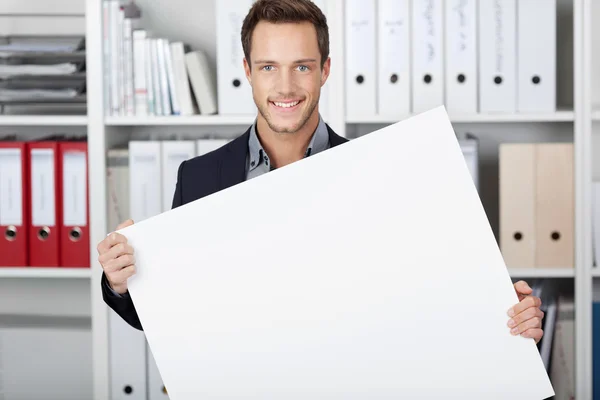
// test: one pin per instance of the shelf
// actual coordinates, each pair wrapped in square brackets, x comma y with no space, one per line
[559,116]
[596,272]
[519,273]
[206,120]
[596,115]
[43,272]
[43,120]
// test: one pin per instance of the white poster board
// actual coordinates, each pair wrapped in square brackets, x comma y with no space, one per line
[368,271]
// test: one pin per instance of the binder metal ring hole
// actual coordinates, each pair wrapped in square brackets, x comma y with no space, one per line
[498,80]
[518,236]
[394,78]
[236,83]
[555,235]
[360,78]
[43,233]
[128,389]
[427,78]
[11,233]
[536,79]
[461,78]
[75,234]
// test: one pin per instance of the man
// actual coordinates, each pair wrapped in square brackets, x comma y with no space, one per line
[286,59]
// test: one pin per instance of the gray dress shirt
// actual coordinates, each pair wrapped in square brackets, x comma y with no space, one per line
[258,163]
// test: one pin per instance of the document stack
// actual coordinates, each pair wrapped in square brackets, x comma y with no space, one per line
[148,75]
[407,56]
[40,74]
[44,206]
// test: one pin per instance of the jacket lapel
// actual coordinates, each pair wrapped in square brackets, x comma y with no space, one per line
[232,167]
[334,138]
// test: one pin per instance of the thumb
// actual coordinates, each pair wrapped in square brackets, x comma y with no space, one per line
[125,224]
[522,288]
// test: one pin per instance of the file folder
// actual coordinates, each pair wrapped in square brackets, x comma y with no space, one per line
[360,67]
[461,56]
[127,347]
[204,146]
[74,230]
[45,204]
[517,185]
[428,54]
[498,56]
[233,89]
[173,153]
[145,182]
[393,55]
[14,219]
[536,56]
[555,205]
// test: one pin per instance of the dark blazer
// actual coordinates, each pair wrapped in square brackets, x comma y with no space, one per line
[197,178]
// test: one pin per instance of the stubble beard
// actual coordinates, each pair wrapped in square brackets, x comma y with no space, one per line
[308,111]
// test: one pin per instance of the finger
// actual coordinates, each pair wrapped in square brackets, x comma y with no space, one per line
[120,277]
[535,333]
[125,224]
[119,263]
[524,316]
[527,302]
[109,241]
[115,252]
[533,323]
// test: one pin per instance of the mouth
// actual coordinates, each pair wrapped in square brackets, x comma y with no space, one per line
[286,106]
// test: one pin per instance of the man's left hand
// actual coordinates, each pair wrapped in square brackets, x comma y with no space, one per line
[526,316]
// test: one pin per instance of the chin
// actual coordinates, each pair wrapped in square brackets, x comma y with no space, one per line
[287,117]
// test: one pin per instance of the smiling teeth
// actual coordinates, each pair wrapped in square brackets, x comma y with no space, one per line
[285,105]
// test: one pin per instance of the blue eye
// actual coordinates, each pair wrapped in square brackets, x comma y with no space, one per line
[303,68]
[267,66]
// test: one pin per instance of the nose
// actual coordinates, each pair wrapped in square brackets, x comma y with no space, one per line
[285,82]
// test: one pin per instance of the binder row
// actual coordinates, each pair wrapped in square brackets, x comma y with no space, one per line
[401,57]
[44,207]
[408,56]
[537,205]
[150,75]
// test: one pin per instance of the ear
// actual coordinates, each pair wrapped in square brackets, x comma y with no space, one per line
[248,71]
[325,71]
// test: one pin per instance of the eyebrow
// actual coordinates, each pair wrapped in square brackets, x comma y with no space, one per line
[301,61]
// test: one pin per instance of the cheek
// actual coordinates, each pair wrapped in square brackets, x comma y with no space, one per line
[310,83]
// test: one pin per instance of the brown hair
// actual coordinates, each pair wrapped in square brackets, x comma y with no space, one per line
[282,11]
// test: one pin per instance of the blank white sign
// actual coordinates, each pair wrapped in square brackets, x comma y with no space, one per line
[368,271]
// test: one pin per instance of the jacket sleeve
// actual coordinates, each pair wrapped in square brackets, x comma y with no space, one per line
[121,304]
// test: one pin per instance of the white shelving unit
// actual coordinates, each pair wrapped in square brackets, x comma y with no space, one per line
[33,272]
[577,121]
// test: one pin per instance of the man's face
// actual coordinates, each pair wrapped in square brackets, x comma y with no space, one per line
[285,74]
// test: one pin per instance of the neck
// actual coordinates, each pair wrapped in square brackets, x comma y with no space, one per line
[286,148]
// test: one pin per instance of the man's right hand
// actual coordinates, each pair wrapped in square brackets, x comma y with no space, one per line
[117,260]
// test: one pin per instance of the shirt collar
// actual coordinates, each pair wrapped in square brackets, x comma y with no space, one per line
[318,143]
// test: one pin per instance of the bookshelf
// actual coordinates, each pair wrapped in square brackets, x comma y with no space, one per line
[577,119]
